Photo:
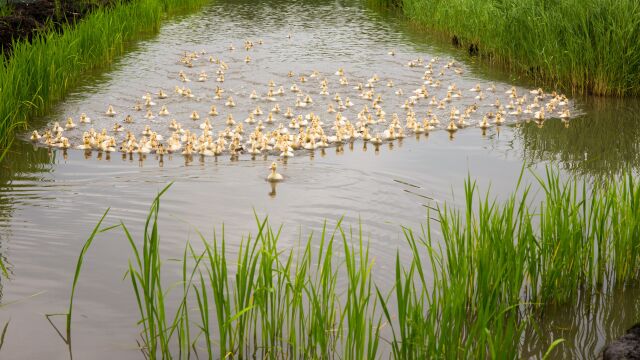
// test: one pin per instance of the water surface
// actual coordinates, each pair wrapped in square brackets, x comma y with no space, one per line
[51,199]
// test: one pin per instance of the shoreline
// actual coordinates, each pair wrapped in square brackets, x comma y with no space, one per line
[44,69]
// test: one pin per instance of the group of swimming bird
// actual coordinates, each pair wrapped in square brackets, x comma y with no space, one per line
[283,129]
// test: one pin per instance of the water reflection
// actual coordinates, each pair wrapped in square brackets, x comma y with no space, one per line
[23,164]
[587,325]
[601,143]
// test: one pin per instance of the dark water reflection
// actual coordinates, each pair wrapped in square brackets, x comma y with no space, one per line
[50,200]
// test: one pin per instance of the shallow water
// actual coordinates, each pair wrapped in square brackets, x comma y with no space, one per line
[51,199]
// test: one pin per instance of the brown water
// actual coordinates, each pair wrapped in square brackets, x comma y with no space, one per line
[51,199]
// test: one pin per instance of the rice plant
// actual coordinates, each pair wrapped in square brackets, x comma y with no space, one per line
[586,46]
[469,292]
[41,71]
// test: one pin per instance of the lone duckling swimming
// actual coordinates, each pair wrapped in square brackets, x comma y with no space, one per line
[274,176]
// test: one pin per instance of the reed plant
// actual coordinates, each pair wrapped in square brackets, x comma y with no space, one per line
[40,72]
[470,287]
[584,46]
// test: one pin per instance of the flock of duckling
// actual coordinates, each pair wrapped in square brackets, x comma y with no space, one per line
[284,118]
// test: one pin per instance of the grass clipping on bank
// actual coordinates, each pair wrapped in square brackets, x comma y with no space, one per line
[469,293]
[41,71]
[588,46]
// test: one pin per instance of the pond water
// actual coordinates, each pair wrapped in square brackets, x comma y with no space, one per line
[50,200]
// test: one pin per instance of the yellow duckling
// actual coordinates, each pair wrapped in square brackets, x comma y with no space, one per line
[230,102]
[86,144]
[188,149]
[64,143]
[250,119]
[110,111]
[539,115]
[84,119]
[149,115]
[128,119]
[35,136]
[565,114]
[160,150]
[203,76]
[484,123]
[276,109]
[257,111]
[162,94]
[499,120]
[377,140]
[289,113]
[274,176]
[270,118]
[452,126]
[69,125]
[164,111]
[117,127]
[230,121]
[247,59]
[213,111]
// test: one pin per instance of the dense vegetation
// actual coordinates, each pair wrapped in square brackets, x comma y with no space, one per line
[41,71]
[585,46]
[470,285]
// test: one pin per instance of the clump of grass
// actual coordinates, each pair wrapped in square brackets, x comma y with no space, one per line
[586,46]
[40,72]
[468,293]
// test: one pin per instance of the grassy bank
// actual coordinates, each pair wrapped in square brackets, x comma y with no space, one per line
[469,293]
[589,47]
[42,71]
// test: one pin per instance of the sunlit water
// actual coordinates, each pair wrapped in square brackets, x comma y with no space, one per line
[51,200]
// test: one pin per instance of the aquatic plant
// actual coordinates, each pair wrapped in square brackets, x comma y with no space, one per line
[42,71]
[589,47]
[467,292]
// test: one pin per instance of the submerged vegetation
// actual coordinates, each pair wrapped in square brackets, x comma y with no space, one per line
[590,47]
[40,72]
[469,288]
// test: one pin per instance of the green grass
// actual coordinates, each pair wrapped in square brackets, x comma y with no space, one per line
[41,72]
[585,46]
[468,292]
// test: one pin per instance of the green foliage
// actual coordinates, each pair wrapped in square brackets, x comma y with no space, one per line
[587,46]
[468,292]
[42,71]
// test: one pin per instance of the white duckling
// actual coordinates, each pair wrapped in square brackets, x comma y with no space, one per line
[84,119]
[110,111]
[484,123]
[69,125]
[164,111]
[274,176]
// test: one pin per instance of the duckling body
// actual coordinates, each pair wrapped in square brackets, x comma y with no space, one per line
[273,175]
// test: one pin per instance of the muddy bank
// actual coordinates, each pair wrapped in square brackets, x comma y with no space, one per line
[23,20]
